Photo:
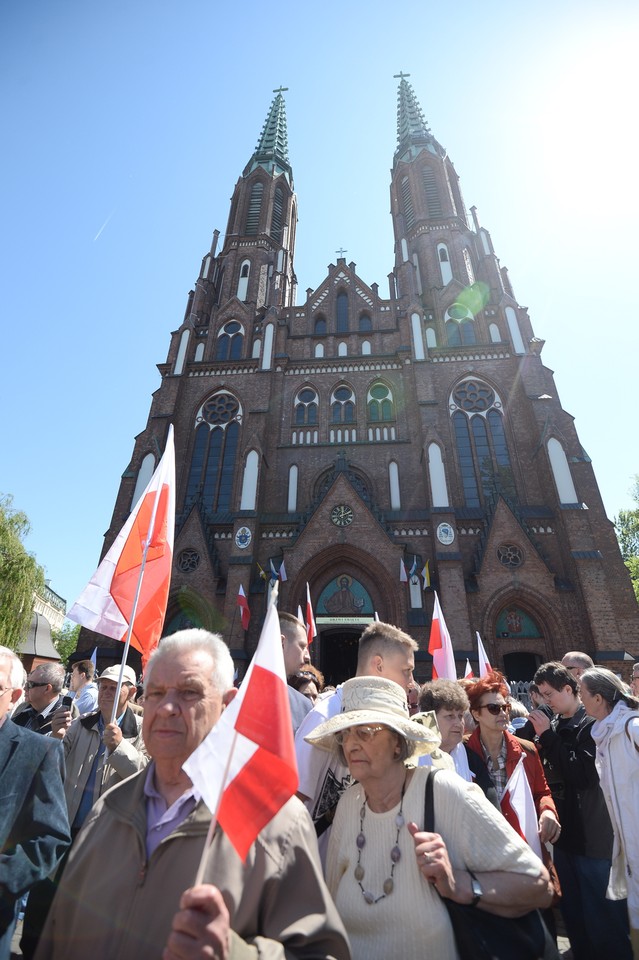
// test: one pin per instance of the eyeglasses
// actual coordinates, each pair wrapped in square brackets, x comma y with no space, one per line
[495,708]
[5,690]
[30,684]
[363,734]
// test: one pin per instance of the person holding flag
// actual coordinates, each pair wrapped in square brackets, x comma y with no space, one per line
[128,890]
[514,765]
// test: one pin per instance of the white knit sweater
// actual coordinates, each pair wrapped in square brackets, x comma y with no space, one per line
[412,923]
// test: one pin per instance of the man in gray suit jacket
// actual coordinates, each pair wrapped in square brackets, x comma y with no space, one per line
[34,829]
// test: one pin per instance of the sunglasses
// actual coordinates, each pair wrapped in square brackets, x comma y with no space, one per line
[363,734]
[30,684]
[495,708]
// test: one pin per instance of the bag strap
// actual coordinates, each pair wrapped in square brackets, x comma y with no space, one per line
[628,722]
[429,802]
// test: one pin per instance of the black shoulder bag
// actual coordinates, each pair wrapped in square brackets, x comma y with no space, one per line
[480,935]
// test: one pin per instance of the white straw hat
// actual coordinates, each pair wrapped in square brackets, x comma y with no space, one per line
[372,700]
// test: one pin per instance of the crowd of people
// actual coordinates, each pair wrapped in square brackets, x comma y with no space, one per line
[102,831]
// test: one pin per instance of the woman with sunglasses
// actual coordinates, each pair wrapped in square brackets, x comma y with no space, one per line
[386,873]
[513,764]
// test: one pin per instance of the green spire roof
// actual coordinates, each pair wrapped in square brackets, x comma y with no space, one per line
[413,133]
[271,151]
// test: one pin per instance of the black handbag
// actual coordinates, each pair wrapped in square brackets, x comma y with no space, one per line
[480,935]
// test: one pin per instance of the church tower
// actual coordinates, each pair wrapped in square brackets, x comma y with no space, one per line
[377,449]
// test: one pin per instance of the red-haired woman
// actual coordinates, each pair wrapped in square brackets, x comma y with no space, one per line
[513,764]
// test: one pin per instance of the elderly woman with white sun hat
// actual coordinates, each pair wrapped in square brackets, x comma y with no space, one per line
[386,874]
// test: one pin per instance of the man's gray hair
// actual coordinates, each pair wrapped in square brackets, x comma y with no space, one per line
[17,675]
[196,639]
[52,673]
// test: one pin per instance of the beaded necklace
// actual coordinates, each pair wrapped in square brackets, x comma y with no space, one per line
[395,854]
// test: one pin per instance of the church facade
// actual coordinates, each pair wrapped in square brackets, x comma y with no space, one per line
[377,445]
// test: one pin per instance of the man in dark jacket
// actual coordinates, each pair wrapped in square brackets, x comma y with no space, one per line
[34,830]
[596,927]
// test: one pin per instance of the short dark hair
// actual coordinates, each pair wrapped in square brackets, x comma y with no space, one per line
[442,695]
[381,638]
[86,667]
[556,676]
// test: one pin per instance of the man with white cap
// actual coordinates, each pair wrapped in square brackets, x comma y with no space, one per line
[99,753]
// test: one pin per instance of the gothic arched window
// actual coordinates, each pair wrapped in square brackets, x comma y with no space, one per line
[444,263]
[407,204]
[460,326]
[380,403]
[230,340]
[243,280]
[343,405]
[342,313]
[320,326]
[433,200]
[277,217]
[254,208]
[480,437]
[214,454]
[365,323]
[306,406]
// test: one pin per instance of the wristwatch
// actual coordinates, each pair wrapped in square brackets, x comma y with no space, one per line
[475,886]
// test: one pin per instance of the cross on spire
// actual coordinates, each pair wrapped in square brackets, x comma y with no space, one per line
[283,89]
[340,253]
[400,75]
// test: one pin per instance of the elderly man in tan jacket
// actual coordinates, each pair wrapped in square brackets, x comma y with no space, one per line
[125,891]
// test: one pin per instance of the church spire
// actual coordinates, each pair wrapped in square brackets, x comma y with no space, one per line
[271,152]
[413,133]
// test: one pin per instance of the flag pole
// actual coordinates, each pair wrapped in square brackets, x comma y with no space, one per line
[199,876]
[147,544]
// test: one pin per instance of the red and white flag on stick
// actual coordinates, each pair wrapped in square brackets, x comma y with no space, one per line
[440,646]
[484,665]
[518,806]
[127,595]
[468,672]
[245,769]
[242,603]
[311,629]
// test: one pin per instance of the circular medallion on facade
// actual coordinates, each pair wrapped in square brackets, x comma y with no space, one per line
[188,561]
[445,533]
[342,515]
[243,538]
[510,555]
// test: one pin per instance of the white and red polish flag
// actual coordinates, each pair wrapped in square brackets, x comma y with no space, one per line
[440,646]
[484,665]
[130,588]
[518,806]
[468,672]
[311,629]
[245,769]
[242,603]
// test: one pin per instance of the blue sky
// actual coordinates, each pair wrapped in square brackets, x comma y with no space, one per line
[127,125]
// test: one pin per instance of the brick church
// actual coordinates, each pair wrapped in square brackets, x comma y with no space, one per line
[377,445]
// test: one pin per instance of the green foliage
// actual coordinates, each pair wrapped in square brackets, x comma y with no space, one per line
[66,640]
[633,567]
[627,526]
[20,575]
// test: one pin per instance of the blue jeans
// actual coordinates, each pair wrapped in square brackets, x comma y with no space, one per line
[596,927]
